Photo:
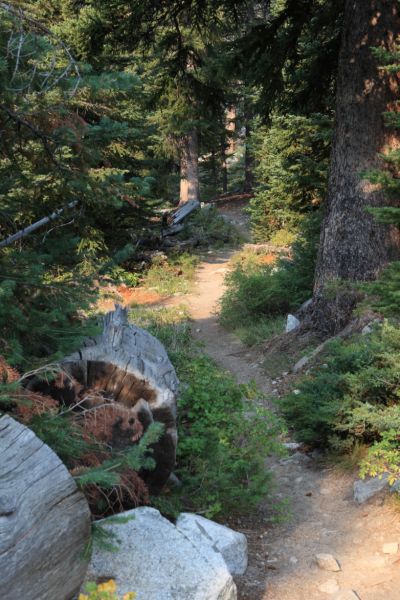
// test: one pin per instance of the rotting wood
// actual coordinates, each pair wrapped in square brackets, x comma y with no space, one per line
[175,219]
[131,369]
[44,520]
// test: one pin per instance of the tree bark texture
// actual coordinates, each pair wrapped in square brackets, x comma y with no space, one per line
[44,520]
[231,129]
[248,159]
[353,245]
[189,168]
[133,368]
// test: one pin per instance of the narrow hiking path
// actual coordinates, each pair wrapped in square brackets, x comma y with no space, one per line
[321,516]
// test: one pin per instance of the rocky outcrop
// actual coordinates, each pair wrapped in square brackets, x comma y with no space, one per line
[159,562]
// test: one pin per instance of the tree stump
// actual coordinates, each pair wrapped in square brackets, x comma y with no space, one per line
[44,520]
[132,369]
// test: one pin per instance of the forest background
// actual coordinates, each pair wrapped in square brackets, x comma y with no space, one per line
[111,111]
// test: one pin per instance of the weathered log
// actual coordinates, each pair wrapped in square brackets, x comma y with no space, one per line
[175,219]
[132,368]
[31,228]
[44,520]
[231,197]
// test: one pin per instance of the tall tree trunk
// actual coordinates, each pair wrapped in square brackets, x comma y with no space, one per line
[214,173]
[224,168]
[248,155]
[231,129]
[353,245]
[189,167]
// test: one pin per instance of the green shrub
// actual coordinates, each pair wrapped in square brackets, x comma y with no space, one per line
[383,294]
[293,157]
[208,228]
[353,398]
[223,438]
[222,450]
[256,291]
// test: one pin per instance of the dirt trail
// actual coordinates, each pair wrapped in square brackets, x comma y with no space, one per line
[323,516]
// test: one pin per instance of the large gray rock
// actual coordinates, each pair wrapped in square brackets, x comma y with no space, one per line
[158,562]
[231,544]
[364,489]
[44,520]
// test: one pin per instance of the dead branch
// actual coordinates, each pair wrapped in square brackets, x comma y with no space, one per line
[31,228]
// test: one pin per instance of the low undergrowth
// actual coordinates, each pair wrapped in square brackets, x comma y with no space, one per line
[260,330]
[260,292]
[172,274]
[104,591]
[207,228]
[224,434]
[350,403]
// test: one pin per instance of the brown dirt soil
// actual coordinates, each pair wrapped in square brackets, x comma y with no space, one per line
[128,296]
[321,516]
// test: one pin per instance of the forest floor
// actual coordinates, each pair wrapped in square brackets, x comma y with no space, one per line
[321,515]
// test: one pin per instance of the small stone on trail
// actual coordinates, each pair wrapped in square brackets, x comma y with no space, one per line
[298,457]
[198,330]
[292,323]
[390,548]
[346,595]
[327,562]
[293,446]
[329,587]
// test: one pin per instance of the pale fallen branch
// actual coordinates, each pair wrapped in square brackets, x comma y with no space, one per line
[31,228]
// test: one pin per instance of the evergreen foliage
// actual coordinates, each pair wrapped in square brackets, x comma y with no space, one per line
[292,164]
[257,291]
[224,439]
[61,134]
[353,399]
[384,294]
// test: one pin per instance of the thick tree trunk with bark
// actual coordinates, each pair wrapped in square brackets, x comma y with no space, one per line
[353,245]
[231,129]
[189,167]
[248,162]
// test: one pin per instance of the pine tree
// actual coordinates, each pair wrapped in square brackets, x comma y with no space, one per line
[354,246]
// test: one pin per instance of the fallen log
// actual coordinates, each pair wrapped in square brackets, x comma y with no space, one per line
[174,220]
[184,211]
[231,197]
[44,520]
